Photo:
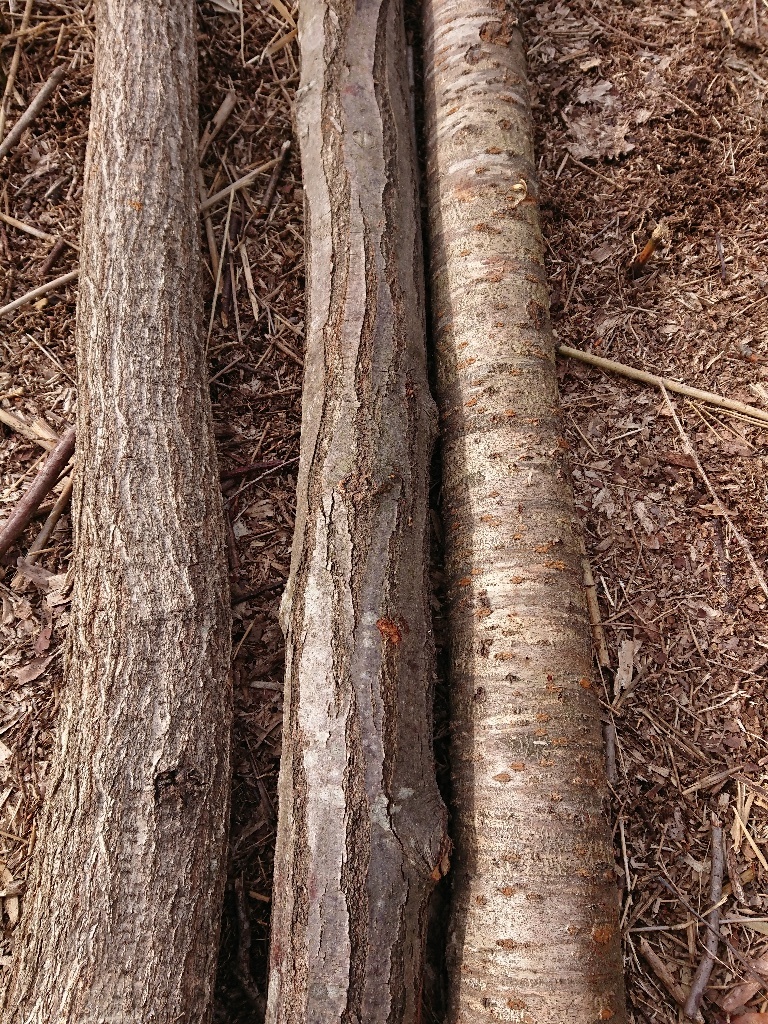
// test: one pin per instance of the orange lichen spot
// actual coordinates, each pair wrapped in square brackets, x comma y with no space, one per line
[509,413]
[465,363]
[480,901]
[493,151]
[560,741]
[517,579]
[518,766]
[482,613]
[542,549]
[491,520]
[542,716]
[136,206]
[470,403]
[499,323]
[539,733]
[453,110]
[555,563]
[602,934]
[553,687]
[506,943]
[389,630]
[502,777]
[585,684]
[464,581]
[465,252]
[507,890]
[513,1003]
[504,656]
[493,494]
[606,1013]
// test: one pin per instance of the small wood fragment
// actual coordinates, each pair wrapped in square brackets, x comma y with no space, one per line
[29,430]
[663,973]
[11,79]
[243,182]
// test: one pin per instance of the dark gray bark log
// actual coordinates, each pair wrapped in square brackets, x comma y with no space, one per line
[534,930]
[121,918]
[361,835]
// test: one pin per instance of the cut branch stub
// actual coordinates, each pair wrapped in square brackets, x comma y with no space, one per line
[534,927]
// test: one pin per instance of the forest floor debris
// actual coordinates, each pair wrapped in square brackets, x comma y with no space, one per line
[644,114]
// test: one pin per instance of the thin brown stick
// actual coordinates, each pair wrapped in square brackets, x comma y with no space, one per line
[595,621]
[712,941]
[44,481]
[40,541]
[11,79]
[662,972]
[28,228]
[209,235]
[240,183]
[32,110]
[53,257]
[269,195]
[744,544]
[226,107]
[244,973]
[672,385]
[42,289]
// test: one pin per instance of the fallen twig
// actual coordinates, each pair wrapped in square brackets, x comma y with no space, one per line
[671,385]
[11,79]
[244,973]
[595,621]
[217,122]
[718,503]
[712,941]
[240,183]
[46,532]
[661,971]
[44,481]
[32,110]
[28,228]
[42,289]
[269,195]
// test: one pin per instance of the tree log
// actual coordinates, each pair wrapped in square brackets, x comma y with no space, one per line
[534,929]
[122,916]
[361,834]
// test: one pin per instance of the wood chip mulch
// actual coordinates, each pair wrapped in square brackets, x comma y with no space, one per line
[646,116]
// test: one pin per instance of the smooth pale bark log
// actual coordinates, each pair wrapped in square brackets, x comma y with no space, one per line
[534,930]
[361,835]
[121,917]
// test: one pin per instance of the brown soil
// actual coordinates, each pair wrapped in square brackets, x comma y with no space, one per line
[645,113]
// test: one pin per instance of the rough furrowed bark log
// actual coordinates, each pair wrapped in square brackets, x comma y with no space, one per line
[361,836]
[534,930]
[122,917]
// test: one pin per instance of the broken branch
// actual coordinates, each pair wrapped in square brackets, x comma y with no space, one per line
[32,111]
[30,500]
[712,940]
[671,385]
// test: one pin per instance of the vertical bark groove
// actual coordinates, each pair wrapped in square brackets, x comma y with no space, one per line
[122,916]
[534,930]
[361,836]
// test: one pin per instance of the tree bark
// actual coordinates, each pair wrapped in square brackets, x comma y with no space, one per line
[361,835]
[122,917]
[534,931]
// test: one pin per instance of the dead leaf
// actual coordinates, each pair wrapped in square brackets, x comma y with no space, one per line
[32,670]
[594,138]
[598,93]
[43,641]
